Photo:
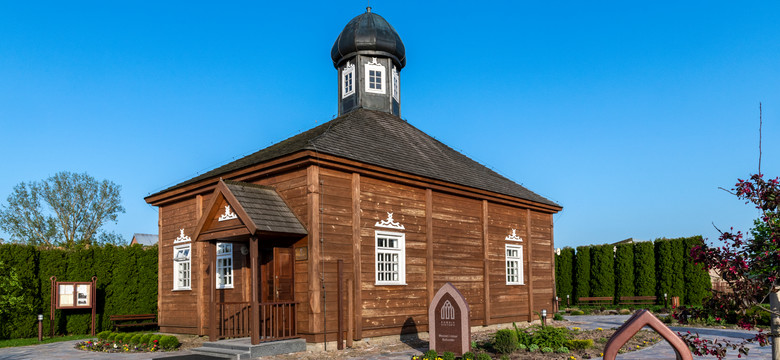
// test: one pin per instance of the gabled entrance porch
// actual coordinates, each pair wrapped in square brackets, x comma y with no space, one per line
[256,221]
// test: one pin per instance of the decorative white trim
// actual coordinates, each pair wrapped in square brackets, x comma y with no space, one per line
[514,236]
[396,84]
[380,87]
[514,264]
[348,80]
[182,267]
[389,223]
[391,271]
[228,215]
[182,237]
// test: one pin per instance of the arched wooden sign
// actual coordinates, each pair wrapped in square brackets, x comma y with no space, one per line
[448,322]
[641,319]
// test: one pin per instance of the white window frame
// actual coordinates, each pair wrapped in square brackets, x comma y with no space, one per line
[375,66]
[348,80]
[400,250]
[396,83]
[224,265]
[182,258]
[518,264]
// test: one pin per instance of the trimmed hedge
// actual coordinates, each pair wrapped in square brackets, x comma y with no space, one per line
[564,271]
[644,269]
[602,270]
[697,279]
[126,284]
[582,272]
[624,270]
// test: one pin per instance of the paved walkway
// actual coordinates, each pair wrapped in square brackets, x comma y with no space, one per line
[66,351]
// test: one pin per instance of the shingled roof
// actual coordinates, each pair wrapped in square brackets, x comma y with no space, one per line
[265,208]
[382,139]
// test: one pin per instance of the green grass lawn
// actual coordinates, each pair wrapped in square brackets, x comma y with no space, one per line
[46,340]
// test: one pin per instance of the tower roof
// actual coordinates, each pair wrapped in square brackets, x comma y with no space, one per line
[368,34]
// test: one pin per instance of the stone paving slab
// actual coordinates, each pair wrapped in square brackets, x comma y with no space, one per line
[66,350]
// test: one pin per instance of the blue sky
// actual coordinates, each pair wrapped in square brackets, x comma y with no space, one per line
[629,115]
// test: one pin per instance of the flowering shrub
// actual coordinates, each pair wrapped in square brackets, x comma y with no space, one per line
[143,343]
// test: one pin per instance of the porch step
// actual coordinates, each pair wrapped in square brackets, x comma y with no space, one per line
[242,348]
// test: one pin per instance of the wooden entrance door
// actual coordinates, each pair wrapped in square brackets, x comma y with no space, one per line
[277,310]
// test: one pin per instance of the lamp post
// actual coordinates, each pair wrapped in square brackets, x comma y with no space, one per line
[567,300]
[544,317]
[666,305]
[40,327]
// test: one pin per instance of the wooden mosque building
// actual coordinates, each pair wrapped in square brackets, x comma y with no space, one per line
[258,247]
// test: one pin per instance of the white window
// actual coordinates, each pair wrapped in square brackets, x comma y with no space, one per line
[396,85]
[348,80]
[181,267]
[514,264]
[390,258]
[224,266]
[375,77]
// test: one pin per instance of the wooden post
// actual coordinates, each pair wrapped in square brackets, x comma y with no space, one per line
[254,326]
[357,302]
[212,274]
[486,261]
[530,266]
[316,323]
[53,304]
[429,244]
[350,312]
[340,306]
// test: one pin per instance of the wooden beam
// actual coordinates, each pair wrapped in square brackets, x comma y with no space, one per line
[429,243]
[486,261]
[356,259]
[211,273]
[254,254]
[340,305]
[530,266]
[315,293]
[160,247]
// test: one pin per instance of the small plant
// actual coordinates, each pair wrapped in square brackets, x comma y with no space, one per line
[523,338]
[447,355]
[145,338]
[430,355]
[546,349]
[580,344]
[533,348]
[136,339]
[126,338]
[468,356]
[505,341]
[522,347]
[549,336]
[558,317]
[474,344]
[169,342]
[155,337]
[103,335]
[577,312]
[504,357]
[562,350]
[483,356]
[111,336]
[625,311]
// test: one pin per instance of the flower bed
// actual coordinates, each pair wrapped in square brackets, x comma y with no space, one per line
[129,342]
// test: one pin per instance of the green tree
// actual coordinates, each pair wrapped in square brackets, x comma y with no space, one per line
[697,279]
[67,209]
[582,272]
[624,270]
[564,267]
[11,287]
[602,270]
[644,269]
[678,266]
[664,268]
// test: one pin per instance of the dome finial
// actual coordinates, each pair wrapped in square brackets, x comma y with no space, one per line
[368,8]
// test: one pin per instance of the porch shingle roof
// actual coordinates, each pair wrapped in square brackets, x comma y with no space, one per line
[265,208]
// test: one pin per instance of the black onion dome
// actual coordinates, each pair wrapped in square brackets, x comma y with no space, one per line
[368,34]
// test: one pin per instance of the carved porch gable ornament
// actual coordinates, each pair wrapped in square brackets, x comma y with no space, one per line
[641,319]
[514,236]
[389,223]
[228,215]
[182,237]
[448,322]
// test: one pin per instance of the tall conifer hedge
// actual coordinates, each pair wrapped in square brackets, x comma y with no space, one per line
[602,270]
[697,280]
[582,272]
[564,270]
[678,269]
[664,268]
[644,269]
[624,270]
[126,284]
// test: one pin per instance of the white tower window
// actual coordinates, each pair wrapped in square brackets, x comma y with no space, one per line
[396,85]
[348,80]
[375,77]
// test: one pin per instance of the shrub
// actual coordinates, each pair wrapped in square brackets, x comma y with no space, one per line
[127,337]
[564,271]
[602,270]
[697,279]
[664,268]
[111,336]
[523,338]
[448,355]
[103,335]
[136,339]
[624,270]
[533,347]
[579,344]
[430,355]
[558,317]
[577,312]
[582,272]
[546,349]
[155,337]
[625,312]
[644,269]
[483,356]
[522,347]
[170,342]
[562,350]
[505,341]
[505,357]
[145,338]
[549,336]
[468,356]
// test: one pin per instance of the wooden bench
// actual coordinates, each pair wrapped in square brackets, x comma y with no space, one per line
[596,300]
[637,300]
[133,320]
